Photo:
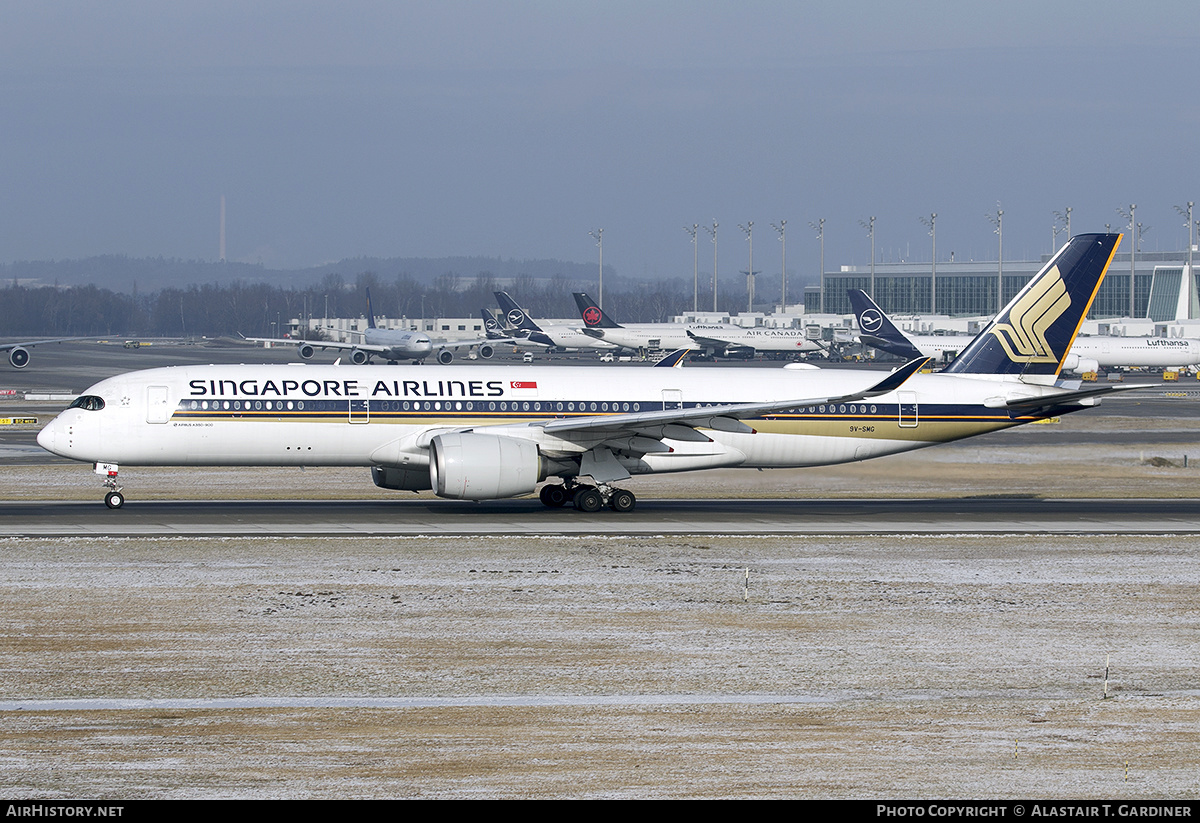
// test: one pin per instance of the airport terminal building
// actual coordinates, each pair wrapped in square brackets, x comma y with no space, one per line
[974,289]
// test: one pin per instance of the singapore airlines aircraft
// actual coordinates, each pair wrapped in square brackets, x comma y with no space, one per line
[488,432]
[719,339]
[1087,354]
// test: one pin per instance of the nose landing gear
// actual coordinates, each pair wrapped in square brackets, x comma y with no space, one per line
[115,499]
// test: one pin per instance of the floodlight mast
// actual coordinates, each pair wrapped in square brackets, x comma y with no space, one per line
[781,228]
[932,224]
[870,227]
[1190,225]
[997,220]
[713,232]
[695,268]
[1065,219]
[819,228]
[1131,217]
[749,230]
[598,234]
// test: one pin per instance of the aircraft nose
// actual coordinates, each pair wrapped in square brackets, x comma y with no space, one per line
[46,437]
[424,345]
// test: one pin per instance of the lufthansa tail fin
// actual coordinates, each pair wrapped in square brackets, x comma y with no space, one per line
[516,316]
[593,316]
[491,326]
[1034,332]
[876,328]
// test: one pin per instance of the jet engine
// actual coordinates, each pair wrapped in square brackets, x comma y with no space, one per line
[359,357]
[445,356]
[1077,364]
[306,351]
[405,480]
[486,351]
[468,466]
[19,358]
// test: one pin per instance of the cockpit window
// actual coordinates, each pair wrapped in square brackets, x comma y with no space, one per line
[87,402]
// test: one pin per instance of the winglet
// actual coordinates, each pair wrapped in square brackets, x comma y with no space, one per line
[674,360]
[893,381]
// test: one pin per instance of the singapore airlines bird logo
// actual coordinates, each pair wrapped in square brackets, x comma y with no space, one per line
[1024,336]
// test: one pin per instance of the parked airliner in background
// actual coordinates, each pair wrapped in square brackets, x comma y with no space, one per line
[555,336]
[715,339]
[877,330]
[1087,354]
[18,353]
[391,344]
[487,432]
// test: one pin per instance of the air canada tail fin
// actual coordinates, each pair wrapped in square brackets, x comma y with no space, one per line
[593,316]
[370,312]
[1032,335]
[876,328]
[516,316]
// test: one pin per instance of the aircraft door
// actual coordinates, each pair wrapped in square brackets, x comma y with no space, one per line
[672,399]
[908,409]
[360,411]
[157,407]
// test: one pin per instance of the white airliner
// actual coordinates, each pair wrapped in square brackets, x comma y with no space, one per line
[555,336]
[1087,354]
[718,339]
[488,432]
[18,353]
[390,344]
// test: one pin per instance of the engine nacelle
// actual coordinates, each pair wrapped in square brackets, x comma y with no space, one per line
[306,351]
[445,356]
[18,357]
[359,357]
[1079,365]
[468,466]
[486,351]
[405,480]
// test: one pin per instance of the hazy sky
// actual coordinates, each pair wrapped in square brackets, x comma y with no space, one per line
[512,129]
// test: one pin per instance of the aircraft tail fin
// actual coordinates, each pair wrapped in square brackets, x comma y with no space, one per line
[593,316]
[491,326]
[514,314]
[877,329]
[1033,333]
[370,312]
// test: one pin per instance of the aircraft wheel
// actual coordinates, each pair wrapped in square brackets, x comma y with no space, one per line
[622,501]
[553,495]
[588,500]
[114,500]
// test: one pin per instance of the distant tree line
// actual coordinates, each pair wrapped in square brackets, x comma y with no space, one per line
[258,309]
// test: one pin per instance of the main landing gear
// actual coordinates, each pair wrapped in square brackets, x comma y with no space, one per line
[587,498]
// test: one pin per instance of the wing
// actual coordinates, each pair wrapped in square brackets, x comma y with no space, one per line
[317,344]
[29,344]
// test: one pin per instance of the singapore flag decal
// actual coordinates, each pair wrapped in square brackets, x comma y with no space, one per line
[522,388]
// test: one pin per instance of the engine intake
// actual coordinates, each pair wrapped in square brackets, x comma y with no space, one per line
[467,466]
[405,480]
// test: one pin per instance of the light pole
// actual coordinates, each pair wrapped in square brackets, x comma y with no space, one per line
[932,224]
[1130,216]
[997,220]
[1191,277]
[749,230]
[1065,219]
[713,232]
[782,229]
[599,235]
[695,268]
[819,228]
[870,227]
